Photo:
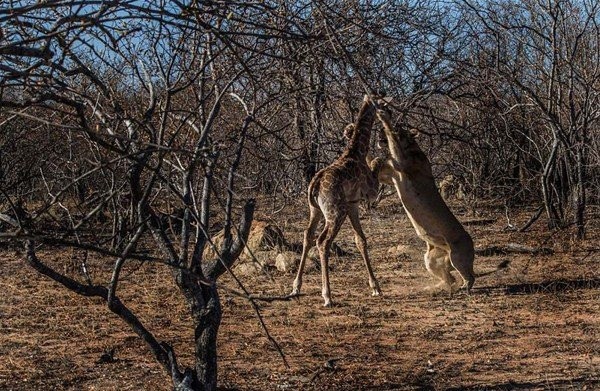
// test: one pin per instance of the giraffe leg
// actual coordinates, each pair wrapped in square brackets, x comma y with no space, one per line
[309,241]
[361,243]
[332,227]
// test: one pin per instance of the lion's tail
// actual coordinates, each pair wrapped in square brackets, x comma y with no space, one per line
[502,265]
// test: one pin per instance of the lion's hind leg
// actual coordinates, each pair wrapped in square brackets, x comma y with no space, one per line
[437,262]
[461,258]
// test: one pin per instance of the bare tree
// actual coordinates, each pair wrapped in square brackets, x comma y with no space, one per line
[136,129]
[149,106]
[548,52]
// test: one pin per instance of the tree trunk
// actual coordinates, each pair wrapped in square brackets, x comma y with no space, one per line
[308,165]
[318,89]
[580,197]
[208,320]
[547,175]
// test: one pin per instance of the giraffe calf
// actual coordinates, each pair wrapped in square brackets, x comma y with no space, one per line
[334,194]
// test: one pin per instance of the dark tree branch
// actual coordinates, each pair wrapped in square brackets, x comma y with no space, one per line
[115,305]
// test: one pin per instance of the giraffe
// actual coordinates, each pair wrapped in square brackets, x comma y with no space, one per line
[334,194]
[449,246]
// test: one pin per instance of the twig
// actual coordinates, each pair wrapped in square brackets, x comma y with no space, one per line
[268,299]
[261,321]
[59,242]
[336,41]
[116,306]
[533,219]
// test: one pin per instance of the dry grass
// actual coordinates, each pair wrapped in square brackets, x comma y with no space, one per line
[534,325]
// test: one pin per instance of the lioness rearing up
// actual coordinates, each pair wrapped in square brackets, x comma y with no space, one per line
[448,244]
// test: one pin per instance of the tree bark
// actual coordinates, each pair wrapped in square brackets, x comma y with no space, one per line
[208,320]
[553,221]
[580,196]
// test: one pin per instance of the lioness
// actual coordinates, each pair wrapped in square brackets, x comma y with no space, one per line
[448,244]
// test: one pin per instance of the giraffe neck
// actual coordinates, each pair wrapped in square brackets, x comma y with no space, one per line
[358,145]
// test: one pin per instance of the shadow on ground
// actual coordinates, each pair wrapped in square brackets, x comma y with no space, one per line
[553,286]
[580,383]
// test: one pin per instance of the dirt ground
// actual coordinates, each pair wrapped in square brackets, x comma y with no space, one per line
[534,325]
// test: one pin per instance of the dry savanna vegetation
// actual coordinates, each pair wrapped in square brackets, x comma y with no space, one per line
[532,325]
[154,165]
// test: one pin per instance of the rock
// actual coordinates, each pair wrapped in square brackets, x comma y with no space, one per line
[265,258]
[335,250]
[287,261]
[263,237]
[313,253]
[403,252]
[249,268]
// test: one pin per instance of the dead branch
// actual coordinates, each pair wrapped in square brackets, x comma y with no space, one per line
[513,248]
[532,219]
[115,305]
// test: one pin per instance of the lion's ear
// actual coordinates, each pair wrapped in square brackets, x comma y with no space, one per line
[349,131]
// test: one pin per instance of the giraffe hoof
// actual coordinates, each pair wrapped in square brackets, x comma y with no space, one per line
[376,292]
[328,304]
[296,287]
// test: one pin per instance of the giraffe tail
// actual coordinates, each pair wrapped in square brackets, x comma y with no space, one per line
[313,190]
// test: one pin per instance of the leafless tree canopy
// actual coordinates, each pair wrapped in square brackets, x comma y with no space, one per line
[136,129]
